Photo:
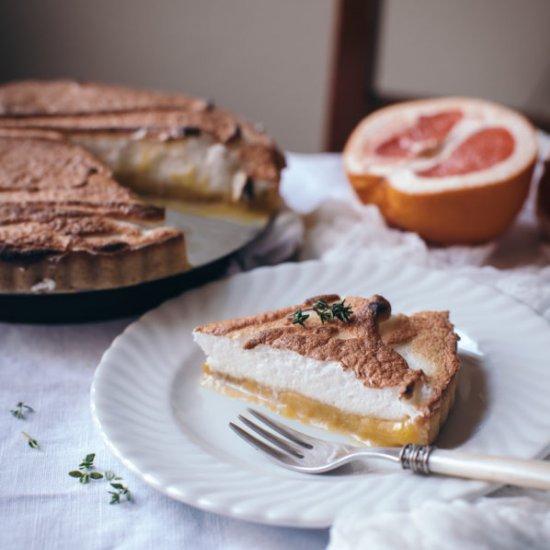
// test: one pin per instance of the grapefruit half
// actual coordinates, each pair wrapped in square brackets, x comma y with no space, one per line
[453,170]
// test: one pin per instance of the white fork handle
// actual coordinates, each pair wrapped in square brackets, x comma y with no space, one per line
[511,471]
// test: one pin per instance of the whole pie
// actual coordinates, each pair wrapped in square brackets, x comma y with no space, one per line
[71,156]
[348,366]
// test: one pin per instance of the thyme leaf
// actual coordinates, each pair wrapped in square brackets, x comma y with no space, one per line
[121,492]
[299,317]
[31,442]
[86,470]
[20,410]
[341,311]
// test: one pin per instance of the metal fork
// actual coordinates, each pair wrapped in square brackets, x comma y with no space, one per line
[304,453]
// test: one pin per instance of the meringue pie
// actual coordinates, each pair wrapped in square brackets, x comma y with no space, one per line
[383,379]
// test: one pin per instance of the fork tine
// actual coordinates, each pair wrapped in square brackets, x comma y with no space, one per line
[260,445]
[294,435]
[272,438]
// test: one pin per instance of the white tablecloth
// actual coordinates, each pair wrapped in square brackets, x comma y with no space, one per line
[51,368]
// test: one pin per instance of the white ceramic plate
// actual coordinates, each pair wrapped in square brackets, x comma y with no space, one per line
[161,424]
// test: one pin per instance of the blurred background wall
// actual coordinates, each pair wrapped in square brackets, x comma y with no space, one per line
[266,59]
[272,60]
[497,49]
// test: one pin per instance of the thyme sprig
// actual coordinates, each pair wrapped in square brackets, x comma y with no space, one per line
[20,410]
[326,312]
[31,442]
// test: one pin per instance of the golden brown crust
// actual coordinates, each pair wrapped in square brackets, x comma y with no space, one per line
[437,342]
[69,97]
[84,270]
[46,179]
[30,133]
[62,217]
[71,107]
[93,234]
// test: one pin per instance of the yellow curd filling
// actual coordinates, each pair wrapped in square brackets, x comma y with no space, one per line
[170,171]
[370,430]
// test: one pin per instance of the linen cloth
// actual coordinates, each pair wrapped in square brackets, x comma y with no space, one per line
[51,368]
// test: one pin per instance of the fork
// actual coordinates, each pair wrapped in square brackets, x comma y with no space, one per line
[310,455]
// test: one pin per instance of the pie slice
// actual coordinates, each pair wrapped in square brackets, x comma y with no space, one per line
[66,224]
[383,379]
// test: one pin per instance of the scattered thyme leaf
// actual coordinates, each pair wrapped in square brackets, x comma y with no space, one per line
[86,470]
[121,491]
[84,478]
[20,409]
[32,443]
[87,462]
